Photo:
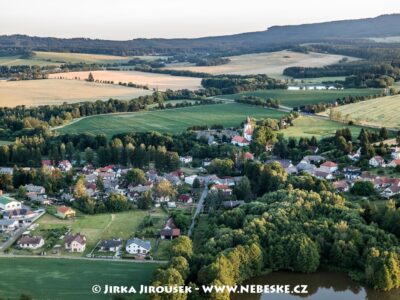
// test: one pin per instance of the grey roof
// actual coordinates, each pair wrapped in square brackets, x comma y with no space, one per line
[110,243]
[7,222]
[144,244]
[232,204]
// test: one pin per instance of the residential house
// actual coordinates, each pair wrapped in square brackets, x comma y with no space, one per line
[394,163]
[138,246]
[323,174]
[30,242]
[30,188]
[329,167]
[6,171]
[21,214]
[75,243]
[377,161]
[395,155]
[341,186]
[351,172]
[113,245]
[186,159]
[248,156]
[65,165]
[171,204]
[47,164]
[8,225]
[355,156]
[65,212]
[390,192]
[8,203]
[170,230]
[240,141]
[190,179]
[222,188]
[313,159]
[306,166]
[186,198]
[285,163]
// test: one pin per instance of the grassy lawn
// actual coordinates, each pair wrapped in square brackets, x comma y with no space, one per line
[313,126]
[296,98]
[377,112]
[173,120]
[103,226]
[64,279]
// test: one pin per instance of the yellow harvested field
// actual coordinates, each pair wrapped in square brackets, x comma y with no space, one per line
[161,82]
[272,63]
[54,91]
[42,58]
[376,112]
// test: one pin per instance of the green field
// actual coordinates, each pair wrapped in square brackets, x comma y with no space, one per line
[296,98]
[314,126]
[102,226]
[68,279]
[171,120]
[376,112]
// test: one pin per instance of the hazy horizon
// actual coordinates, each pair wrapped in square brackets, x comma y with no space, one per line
[123,20]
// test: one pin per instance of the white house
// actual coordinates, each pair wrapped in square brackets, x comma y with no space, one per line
[31,242]
[75,243]
[391,191]
[8,203]
[137,246]
[65,165]
[186,159]
[395,155]
[377,161]
[394,163]
[190,179]
[30,188]
[8,224]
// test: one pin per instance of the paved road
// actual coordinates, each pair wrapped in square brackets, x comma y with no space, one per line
[198,209]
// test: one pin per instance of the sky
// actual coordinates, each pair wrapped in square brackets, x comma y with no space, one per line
[128,19]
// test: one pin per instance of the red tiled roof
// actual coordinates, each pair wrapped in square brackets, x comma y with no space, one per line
[329,164]
[63,209]
[240,139]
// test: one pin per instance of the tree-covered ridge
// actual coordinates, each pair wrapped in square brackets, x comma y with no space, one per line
[273,38]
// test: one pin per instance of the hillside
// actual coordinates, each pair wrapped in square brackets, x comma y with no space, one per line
[274,38]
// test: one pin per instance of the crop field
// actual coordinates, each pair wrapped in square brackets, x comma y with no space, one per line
[308,126]
[57,58]
[69,279]
[101,226]
[170,120]
[160,82]
[53,91]
[270,63]
[296,98]
[376,112]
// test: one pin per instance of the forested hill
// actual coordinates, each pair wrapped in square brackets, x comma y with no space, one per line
[273,38]
[385,25]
